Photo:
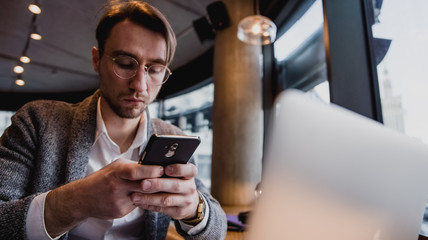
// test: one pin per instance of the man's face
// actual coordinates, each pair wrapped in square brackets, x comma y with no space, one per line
[128,98]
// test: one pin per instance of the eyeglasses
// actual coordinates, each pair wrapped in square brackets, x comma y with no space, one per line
[126,67]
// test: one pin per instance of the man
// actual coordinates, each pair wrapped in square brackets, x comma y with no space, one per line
[70,171]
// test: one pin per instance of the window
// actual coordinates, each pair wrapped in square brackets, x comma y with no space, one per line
[306,26]
[402,50]
[403,71]
[192,113]
[300,54]
[5,120]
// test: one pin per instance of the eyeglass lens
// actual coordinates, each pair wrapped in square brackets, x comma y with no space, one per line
[126,67]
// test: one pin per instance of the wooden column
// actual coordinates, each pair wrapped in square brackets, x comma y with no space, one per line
[237,113]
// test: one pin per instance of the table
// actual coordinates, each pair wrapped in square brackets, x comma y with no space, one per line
[231,235]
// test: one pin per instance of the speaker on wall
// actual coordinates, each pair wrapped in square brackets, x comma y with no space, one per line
[218,15]
[203,29]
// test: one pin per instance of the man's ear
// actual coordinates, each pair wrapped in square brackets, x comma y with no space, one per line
[95,59]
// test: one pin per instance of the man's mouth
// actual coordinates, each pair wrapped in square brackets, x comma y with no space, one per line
[134,100]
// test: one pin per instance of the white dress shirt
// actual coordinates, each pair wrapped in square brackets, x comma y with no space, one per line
[103,152]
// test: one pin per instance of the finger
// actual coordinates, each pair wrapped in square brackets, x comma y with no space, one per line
[174,205]
[188,170]
[130,170]
[170,185]
[163,200]
[130,187]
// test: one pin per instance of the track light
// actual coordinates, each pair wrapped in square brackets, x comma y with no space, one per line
[24,59]
[18,69]
[34,8]
[35,35]
[34,32]
[19,81]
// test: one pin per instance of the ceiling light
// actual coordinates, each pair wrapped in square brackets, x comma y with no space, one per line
[257,29]
[36,36]
[24,59]
[18,69]
[34,33]
[34,8]
[19,81]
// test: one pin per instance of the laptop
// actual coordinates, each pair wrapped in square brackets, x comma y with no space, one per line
[332,174]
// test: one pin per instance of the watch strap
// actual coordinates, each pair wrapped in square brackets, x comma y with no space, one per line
[200,213]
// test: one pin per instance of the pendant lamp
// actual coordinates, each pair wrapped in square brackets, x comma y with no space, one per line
[257,29]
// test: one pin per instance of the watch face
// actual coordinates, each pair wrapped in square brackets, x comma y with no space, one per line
[201,210]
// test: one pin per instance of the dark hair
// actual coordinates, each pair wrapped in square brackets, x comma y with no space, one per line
[140,13]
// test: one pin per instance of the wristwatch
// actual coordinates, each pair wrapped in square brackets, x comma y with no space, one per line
[200,215]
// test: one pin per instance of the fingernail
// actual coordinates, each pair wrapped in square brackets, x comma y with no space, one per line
[136,198]
[161,171]
[147,185]
[169,170]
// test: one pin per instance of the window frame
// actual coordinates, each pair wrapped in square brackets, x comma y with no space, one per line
[347,32]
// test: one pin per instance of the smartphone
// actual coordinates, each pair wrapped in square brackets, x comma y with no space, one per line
[164,150]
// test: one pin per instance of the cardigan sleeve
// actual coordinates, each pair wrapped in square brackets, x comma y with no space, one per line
[17,149]
[33,153]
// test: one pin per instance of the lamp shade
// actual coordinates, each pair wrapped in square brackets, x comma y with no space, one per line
[257,29]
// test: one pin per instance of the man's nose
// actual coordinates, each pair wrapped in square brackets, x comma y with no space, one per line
[140,81]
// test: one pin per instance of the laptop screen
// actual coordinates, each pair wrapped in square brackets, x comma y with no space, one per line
[333,174]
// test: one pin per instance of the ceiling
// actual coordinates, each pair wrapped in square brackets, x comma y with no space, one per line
[61,60]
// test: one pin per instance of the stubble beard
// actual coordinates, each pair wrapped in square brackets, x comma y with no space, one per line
[125,112]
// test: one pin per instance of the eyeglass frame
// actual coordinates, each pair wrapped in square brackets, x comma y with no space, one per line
[168,72]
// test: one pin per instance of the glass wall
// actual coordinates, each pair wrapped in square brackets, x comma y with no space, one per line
[402,51]
[5,120]
[192,113]
[300,54]
[401,33]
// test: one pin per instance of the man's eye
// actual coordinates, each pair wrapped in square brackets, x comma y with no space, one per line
[156,69]
[126,63]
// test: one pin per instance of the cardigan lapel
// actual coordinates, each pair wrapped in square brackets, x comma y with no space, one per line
[82,136]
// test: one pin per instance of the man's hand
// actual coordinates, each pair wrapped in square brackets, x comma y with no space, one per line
[105,194]
[176,196]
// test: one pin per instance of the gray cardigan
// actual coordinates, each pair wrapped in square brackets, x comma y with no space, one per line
[48,144]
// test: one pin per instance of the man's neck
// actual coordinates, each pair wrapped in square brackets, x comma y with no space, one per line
[121,130]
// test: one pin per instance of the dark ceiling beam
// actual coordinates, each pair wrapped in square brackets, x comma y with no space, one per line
[12,101]
[185,78]
[49,66]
